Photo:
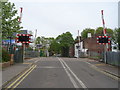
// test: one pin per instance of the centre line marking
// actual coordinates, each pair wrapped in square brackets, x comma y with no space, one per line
[74,83]
[36,61]
[71,79]
[80,82]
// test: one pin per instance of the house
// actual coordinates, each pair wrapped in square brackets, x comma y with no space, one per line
[71,51]
[79,50]
[89,47]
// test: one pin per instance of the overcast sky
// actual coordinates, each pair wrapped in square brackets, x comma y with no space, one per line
[54,17]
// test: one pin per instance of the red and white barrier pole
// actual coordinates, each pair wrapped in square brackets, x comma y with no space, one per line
[104,31]
[21,9]
[103,21]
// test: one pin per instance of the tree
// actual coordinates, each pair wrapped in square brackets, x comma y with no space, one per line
[65,40]
[61,44]
[85,32]
[38,40]
[54,48]
[10,23]
[99,32]
[117,37]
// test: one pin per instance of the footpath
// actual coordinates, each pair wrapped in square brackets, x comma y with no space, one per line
[110,69]
[9,73]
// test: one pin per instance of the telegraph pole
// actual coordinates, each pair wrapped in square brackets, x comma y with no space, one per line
[35,38]
[78,43]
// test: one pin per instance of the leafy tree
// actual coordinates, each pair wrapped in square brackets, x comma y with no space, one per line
[38,40]
[10,22]
[117,37]
[85,32]
[46,43]
[5,56]
[54,48]
[65,40]
[99,31]
[109,32]
[61,44]
[43,40]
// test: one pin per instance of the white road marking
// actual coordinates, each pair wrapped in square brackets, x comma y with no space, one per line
[71,79]
[36,61]
[80,82]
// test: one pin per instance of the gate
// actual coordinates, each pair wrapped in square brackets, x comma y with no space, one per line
[18,56]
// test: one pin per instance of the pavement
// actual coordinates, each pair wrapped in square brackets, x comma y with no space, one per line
[113,70]
[9,73]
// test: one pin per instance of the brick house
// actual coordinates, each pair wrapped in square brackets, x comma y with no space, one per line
[89,47]
[94,49]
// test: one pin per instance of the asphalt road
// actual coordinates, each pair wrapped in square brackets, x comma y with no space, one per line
[54,72]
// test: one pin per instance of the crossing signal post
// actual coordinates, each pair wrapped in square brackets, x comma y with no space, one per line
[25,39]
[104,32]
[104,40]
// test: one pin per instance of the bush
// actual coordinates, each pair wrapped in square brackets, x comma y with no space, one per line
[5,56]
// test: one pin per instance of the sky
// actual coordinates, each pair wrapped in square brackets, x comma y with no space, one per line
[54,17]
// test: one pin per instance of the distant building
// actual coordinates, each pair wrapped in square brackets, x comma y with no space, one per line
[23,32]
[71,51]
[79,49]
[89,47]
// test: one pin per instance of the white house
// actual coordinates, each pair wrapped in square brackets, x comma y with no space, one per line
[79,49]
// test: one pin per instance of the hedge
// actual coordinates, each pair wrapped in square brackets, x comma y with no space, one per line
[5,56]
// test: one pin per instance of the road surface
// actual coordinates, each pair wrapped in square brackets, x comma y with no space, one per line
[58,72]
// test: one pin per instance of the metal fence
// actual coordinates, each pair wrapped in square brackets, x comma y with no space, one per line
[94,54]
[31,54]
[113,58]
[18,55]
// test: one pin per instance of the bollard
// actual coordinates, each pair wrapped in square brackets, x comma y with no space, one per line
[11,59]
